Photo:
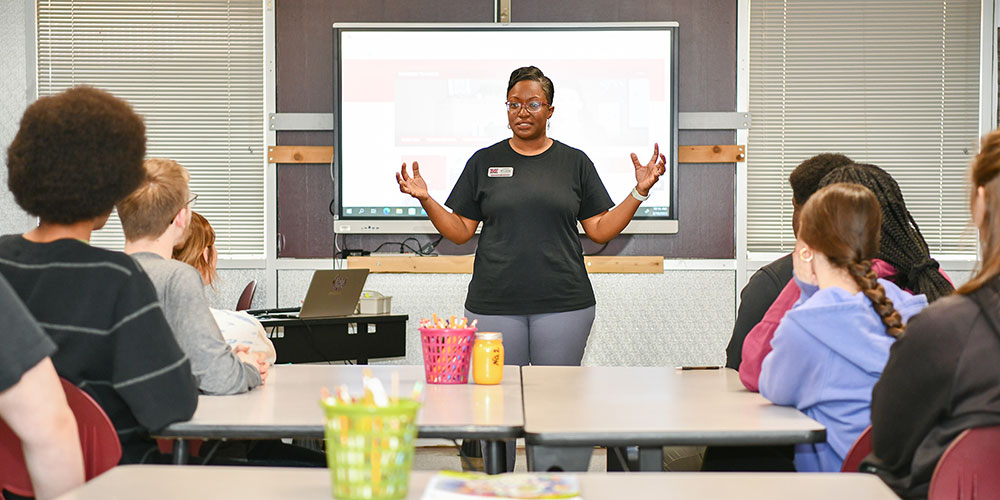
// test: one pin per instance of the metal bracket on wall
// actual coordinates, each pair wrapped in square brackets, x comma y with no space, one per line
[300,121]
[686,121]
[713,120]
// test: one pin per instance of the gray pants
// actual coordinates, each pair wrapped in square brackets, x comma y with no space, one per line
[540,339]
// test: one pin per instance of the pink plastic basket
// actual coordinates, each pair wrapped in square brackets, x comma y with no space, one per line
[447,352]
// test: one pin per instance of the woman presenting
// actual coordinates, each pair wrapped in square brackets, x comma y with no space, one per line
[529,281]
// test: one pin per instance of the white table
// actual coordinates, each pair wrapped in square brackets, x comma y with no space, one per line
[164,482]
[287,405]
[569,410]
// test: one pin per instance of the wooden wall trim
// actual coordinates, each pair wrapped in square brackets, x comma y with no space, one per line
[462,264]
[729,153]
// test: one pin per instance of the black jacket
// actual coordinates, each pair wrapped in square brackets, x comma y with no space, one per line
[755,299]
[943,376]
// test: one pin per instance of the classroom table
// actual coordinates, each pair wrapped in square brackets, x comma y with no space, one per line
[569,410]
[357,337]
[163,482]
[287,406]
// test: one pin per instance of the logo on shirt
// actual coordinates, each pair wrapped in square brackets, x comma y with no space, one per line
[500,172]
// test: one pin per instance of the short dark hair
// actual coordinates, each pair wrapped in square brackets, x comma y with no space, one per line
[75,155]
[805,178]
[534,74]
[902,245]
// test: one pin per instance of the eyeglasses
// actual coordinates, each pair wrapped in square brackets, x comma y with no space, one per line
[193,201]
[533,106]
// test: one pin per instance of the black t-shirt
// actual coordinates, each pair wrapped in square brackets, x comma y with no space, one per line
[529,259]
[24,342]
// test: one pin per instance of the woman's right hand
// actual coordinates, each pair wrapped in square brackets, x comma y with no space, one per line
[413,186]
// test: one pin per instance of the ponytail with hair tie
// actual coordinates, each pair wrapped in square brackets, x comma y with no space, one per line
[913,275]
[867,280]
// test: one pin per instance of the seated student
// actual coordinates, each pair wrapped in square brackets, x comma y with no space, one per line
[942,376]
[760,292]
[764,286]
[238,327]
[33,404]
[75,155]
[154,218]
[903,258]
[830,348]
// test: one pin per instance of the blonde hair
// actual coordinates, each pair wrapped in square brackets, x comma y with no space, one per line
[200,236]
[985,173]
[148,211]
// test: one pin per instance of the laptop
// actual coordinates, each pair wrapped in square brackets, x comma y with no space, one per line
[331,293]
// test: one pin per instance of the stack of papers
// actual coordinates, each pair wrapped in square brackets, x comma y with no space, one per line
[448,485]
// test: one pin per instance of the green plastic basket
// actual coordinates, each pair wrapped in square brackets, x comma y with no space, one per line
[370,450]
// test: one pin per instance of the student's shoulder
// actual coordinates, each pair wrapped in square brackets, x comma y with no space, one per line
[176,273]
[775,275]
[947,318]
[67,254]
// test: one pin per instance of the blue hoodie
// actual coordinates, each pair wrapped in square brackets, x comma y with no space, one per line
[826,355]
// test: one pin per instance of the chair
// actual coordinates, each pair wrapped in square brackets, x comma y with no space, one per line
[98,439]
[861,448]
[246,298]
[968,468]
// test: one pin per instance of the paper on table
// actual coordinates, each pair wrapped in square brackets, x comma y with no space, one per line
[448,485]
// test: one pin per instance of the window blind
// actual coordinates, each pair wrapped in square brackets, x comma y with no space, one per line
[194,70]
[889,82]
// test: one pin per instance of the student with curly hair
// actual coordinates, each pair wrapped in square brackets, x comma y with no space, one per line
[155,217]
[76,154]
[942,376]
[830,348]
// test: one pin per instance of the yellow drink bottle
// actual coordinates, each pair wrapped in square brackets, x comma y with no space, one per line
[487,358]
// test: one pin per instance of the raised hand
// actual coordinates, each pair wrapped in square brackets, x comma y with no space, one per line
[413,186]
[647,175]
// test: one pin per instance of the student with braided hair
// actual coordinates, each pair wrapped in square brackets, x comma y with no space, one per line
[903,258]
[830,348]
[903,252]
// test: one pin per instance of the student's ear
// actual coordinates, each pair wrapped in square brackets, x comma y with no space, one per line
[182,218]
[207,255]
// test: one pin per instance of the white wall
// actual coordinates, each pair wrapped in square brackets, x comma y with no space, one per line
[15,18]
[679,317]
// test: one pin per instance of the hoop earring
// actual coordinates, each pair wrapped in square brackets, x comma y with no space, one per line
[508,127]
[802,255]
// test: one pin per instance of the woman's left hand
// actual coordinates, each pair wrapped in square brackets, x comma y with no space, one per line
[647,175]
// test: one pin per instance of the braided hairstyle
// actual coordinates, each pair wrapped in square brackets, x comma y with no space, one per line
[842,221]
[902,245]
[984,174]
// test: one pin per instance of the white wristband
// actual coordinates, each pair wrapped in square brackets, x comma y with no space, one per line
[636,195]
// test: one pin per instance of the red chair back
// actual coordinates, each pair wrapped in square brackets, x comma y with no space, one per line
[98,439]
[861,448]
[246,298]
[968,468]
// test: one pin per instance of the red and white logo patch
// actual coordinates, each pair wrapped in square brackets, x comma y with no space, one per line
[500,172]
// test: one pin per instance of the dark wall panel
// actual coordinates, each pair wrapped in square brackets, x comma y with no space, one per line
[707,46]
